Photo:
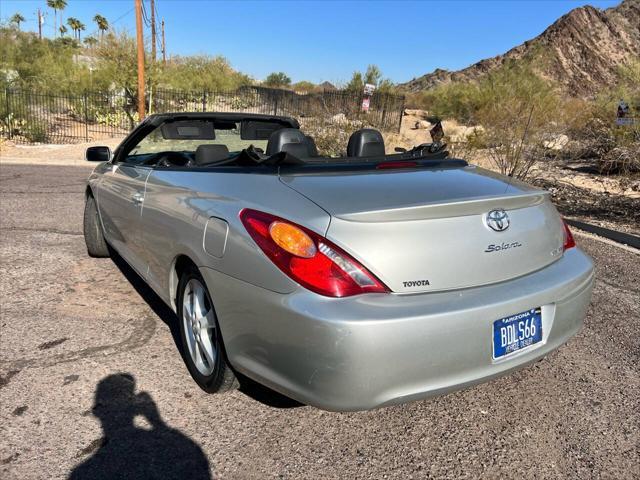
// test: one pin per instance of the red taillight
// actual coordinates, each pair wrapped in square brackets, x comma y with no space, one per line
[569,242]
[328,271]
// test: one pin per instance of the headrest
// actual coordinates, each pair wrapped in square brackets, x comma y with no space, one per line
[290,140]
[365,143]
[313,149]
[208,154]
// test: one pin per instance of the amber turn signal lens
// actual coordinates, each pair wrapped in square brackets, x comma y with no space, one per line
[292,239]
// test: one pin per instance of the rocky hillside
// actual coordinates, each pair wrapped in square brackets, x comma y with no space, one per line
[580,51]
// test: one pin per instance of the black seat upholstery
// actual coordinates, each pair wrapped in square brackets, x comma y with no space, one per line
[313,149]
[290,140]
[210,154]
[366,142]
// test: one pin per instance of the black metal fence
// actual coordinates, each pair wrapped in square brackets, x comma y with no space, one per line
[36,117]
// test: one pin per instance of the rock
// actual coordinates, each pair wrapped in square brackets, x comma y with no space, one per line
[339,118]
[422,125]
[557,142]
[416,112]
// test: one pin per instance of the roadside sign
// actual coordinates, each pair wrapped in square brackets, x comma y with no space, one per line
[626,121]
[623,109]
[365,104]
[623,115]
[369,89]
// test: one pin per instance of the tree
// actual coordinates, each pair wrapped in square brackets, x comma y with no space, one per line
[102,23]
[373,75]
[277,79]
[56,5]
[81,28]
[76,25]
[356,84]
[16,19]
[90,41]
[304,86]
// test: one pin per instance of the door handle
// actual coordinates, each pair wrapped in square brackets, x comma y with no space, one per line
[137,198]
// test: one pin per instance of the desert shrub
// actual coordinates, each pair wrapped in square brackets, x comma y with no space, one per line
[277,79]
[200,73]
[460,101]
[515,107]
[331,136]
[595,135]
[35,131]
[516,111]
[304,86]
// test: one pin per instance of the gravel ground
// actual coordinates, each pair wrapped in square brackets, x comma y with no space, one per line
[90,377]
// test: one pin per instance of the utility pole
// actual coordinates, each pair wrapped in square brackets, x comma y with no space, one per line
[40,25]
[153,31]
[140,39]
[164,48]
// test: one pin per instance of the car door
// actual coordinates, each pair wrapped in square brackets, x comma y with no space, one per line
[121,202]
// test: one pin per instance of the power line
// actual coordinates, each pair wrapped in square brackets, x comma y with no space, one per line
[144,15]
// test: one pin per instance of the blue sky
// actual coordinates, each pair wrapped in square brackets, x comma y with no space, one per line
[328,40]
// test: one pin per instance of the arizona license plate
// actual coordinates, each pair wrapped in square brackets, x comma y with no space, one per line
[513,333]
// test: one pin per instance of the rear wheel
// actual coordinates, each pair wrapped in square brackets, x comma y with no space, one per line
[93,236]
[201,340]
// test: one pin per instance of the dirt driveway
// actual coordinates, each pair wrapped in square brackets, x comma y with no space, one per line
[91,381]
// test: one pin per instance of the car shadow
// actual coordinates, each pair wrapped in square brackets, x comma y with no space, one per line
[249,387]
[148,448]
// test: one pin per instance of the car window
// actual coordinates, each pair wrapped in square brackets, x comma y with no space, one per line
[156,142]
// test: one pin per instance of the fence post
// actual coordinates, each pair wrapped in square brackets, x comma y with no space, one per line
[86,117]
[401,115]
[9,119]
[383,120]
[275,104]
[204,101]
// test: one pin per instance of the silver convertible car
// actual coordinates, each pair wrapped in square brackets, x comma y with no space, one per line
[345,283]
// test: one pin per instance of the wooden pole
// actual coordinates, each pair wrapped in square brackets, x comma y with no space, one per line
[164,48]
[140,39]
[153,31]
[40,25]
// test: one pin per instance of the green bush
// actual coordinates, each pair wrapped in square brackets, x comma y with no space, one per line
[35,131]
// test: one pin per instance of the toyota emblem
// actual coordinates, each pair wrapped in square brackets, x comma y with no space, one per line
[497,220]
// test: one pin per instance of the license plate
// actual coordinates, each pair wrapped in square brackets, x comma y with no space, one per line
[513,333]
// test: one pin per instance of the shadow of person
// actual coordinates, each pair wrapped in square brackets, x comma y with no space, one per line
[133,452]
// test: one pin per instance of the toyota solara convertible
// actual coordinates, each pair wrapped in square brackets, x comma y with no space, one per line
[345,283]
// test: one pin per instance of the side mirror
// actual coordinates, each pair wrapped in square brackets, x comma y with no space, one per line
[98,154]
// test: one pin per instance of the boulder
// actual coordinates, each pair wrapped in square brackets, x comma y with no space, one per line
[339,118]
[557,142]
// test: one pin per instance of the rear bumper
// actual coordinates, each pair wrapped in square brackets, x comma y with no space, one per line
[372,350]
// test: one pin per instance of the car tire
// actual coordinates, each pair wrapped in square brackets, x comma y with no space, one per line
[202,346]
[93,235]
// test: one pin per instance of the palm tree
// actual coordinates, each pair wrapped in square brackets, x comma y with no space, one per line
[56,5]
[74,24]
[63,30]
[17,19]
[90,42]
[81,28]
[103,24]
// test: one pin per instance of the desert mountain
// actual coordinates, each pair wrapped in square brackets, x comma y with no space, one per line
[580,51]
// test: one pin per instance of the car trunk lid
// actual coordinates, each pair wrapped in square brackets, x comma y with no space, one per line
[425,230]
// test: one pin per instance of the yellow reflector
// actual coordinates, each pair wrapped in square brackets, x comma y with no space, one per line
[292,239]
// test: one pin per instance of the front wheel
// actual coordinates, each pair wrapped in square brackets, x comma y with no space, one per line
[93,236]
[200,335]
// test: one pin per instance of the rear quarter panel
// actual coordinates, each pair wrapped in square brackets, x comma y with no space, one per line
[178,204]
